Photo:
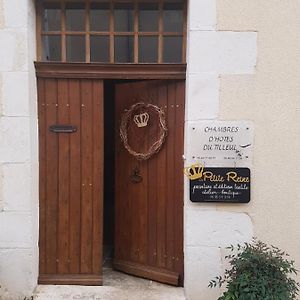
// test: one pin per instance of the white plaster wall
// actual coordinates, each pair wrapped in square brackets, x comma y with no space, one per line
[257,82]
[208,227]
[18,150]
[271,98]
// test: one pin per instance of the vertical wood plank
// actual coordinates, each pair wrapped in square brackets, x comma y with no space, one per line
[52,177]
[142,144]
[170,180]
[127,208]
[98,163]
[75,176]
[178,210]
[131,212]
[86,176]
[161,188]
[123,211]
[118,187]
[152,183]
[63,179]
[42,173]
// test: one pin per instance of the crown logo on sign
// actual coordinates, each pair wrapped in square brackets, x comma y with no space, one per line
[141,120]
[194,172]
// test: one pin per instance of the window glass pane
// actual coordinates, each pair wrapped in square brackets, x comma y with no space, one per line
[51,48]
[75,48]
[148,49]
[123,14]
[51,18]
[99,48]
[75,17]
[124,49]
[99,17]
[172,49]
[148,17]
[173,17]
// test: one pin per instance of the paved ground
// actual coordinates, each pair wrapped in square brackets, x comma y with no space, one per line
[117,286]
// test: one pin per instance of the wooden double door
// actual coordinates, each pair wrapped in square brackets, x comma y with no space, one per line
[148,215]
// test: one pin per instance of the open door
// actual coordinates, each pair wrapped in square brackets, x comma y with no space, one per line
[149,211]
[71,180]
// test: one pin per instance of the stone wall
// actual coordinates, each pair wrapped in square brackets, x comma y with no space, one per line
[18,150]
[243,64]
[208,227]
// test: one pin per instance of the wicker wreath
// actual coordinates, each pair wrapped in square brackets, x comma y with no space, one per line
[129,115]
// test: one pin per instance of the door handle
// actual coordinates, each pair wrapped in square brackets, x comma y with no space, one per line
[63,128]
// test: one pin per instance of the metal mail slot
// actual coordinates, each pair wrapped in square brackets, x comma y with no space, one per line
[63,128]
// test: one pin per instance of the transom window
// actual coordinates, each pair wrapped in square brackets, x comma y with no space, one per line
[147,31]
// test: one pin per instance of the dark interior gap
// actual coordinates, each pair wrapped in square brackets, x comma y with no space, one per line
[109,173]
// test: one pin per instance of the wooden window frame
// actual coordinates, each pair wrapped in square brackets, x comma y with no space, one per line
[111,33]
[111,71]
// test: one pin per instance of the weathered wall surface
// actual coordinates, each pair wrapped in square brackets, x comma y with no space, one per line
[231,84]
[18,160]
[272,99]
[212,54]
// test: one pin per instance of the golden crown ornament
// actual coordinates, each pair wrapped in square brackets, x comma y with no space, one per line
[194,172]
[141,120]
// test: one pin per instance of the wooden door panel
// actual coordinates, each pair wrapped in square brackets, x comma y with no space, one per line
[98,173]
[75,179]
[51,165]
[149,215]
[178,166]
[71,181]
[42,174]
[86,175]
[63,179]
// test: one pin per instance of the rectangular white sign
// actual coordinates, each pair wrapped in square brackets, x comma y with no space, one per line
[222,143]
